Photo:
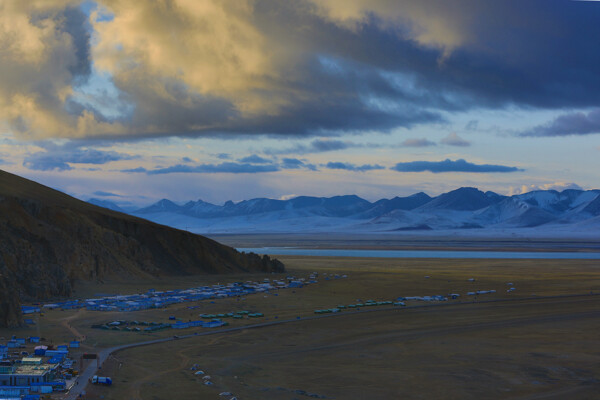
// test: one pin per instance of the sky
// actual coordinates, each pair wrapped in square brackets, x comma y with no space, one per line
[223,100]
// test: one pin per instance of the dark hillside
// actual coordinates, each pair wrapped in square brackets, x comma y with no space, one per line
[49,241]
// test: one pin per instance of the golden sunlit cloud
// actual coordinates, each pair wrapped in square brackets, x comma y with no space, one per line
[183,65]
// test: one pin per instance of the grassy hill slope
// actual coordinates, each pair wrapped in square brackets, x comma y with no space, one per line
[49,241]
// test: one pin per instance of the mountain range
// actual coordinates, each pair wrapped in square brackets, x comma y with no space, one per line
[460,209]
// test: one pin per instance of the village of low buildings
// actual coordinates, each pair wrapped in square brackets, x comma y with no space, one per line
[33,368]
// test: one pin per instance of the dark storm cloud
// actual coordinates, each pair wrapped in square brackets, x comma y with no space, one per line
[451,166]
[352,167]
[568,124]
[356,79]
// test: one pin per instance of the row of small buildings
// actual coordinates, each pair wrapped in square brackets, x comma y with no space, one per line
[160,299]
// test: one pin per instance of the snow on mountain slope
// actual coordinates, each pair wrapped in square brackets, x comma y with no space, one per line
[515,212]
[530,217]
[593,207]
[410,220]
[255,223]
[558,202]
[501,211]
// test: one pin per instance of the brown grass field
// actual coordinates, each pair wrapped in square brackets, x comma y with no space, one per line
[538,348]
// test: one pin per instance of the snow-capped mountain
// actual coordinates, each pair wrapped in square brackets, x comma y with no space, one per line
[459,210]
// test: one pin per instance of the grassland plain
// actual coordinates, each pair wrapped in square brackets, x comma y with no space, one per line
[535,348]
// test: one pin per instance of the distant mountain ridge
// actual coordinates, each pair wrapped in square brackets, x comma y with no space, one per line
[463,208]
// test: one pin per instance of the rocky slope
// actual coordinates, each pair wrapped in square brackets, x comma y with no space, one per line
[49,241]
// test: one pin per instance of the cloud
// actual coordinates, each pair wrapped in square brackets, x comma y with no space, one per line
[59,158]
[106,194]
[252,165]
[135,170]
[322,145]
[472,125]
[417,143]
[226,167]
[316,146]
[313,67]
[568,124]
[352,167]
[45,55]
[294,163]
[254,159]
[558,186]
[451,166]
[454,140]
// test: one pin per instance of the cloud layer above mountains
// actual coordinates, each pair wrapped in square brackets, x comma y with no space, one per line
[127,69]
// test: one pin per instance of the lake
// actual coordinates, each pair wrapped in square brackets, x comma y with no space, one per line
[291,251]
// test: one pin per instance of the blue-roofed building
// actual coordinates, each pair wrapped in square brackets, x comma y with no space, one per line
[13,392]
[31,370]
[30,309]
